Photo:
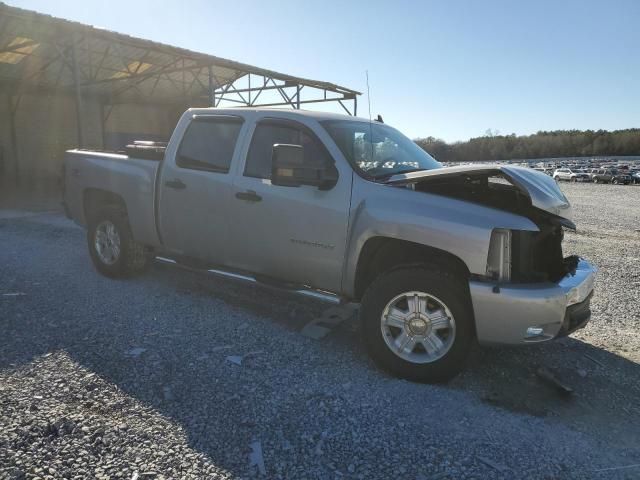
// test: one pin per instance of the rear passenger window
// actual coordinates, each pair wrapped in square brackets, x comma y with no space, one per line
[209,143]
[268,134]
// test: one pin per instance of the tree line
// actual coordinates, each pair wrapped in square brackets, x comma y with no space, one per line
[543,144]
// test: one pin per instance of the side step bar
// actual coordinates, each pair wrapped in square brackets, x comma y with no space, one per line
[300,290]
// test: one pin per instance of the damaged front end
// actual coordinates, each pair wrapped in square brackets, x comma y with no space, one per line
[530,292]
[514,256]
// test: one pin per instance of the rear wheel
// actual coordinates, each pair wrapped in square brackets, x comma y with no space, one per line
[113,250]
[418,324]
[615,181]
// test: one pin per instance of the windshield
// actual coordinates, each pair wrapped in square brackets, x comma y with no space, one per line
[377,150]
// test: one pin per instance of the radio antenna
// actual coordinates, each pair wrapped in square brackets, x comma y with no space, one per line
[368,94]
[370,121]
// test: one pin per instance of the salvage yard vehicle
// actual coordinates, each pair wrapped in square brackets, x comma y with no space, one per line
[605,175]
[437,257]
[571,175]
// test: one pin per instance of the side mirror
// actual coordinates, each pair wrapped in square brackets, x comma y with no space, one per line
[288,169]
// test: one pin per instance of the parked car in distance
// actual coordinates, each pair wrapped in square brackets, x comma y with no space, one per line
[546,171]
[438,258]
[570,175]
[610,175]
[635,176]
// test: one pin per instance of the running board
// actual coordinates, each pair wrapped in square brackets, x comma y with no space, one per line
[309,292]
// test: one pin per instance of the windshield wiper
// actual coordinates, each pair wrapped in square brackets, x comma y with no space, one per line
[402,172]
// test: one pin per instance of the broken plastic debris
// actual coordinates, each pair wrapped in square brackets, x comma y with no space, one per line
[235,359]
[255,457]
[550,379]
[320,327]
[238,359]
[492,464]
[315,331]
[136,352]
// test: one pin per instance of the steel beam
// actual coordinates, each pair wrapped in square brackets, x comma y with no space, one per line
[212,90]
[76,82]
[103,126]
[14,137]
[18,46]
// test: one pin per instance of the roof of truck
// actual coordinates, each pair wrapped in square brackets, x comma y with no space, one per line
[290,112]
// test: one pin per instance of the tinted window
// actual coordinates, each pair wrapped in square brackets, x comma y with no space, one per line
[208,144]
[268,134]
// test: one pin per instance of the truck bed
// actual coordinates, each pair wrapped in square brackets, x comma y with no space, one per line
[131,178]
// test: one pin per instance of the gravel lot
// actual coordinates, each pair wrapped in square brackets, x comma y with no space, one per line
[130,379]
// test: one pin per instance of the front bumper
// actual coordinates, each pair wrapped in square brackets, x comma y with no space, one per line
[514,314]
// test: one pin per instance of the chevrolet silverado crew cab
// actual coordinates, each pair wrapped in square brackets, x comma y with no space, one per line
[437,257]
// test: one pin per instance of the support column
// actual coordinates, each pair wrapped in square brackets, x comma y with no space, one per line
[212,91]
[76,84]
[14,137]
[102,126]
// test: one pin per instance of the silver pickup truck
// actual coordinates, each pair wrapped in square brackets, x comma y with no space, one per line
[437,257]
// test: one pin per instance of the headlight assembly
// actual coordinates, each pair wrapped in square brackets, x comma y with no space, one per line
[499,258]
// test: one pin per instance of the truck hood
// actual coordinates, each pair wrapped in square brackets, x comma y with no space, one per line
[541,189]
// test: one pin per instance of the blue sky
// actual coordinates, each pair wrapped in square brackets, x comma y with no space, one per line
[451,69]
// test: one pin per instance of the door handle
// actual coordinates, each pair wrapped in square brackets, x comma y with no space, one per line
[175,183]
[249,195]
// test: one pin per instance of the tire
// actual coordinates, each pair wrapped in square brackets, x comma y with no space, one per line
[441,289]
[595,180]
[574,180]
[614,181]
[128,259]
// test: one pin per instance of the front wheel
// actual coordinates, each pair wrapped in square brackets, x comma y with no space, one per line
[418,323]
[113,250]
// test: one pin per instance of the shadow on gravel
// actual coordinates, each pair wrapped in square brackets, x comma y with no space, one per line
[605,395]
[168,350]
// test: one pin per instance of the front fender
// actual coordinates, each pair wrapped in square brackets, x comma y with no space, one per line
[460,228]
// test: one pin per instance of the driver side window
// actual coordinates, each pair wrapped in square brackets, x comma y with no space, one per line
[269,133]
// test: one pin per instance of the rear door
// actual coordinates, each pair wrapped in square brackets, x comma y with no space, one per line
[195,189]
[294,234]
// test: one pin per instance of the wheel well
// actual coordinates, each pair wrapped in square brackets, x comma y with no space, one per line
[381,254]
[95,199]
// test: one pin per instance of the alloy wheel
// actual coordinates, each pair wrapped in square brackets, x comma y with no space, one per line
[418,327]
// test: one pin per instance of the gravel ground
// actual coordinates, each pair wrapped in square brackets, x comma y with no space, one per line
[130,379]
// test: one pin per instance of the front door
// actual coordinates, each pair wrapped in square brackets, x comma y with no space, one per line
[295,234]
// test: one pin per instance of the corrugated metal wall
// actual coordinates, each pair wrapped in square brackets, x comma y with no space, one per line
[45,126]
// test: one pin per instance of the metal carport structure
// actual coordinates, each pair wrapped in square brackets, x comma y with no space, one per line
[44,55]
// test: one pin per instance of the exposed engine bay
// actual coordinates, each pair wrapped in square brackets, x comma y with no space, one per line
[534,256]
